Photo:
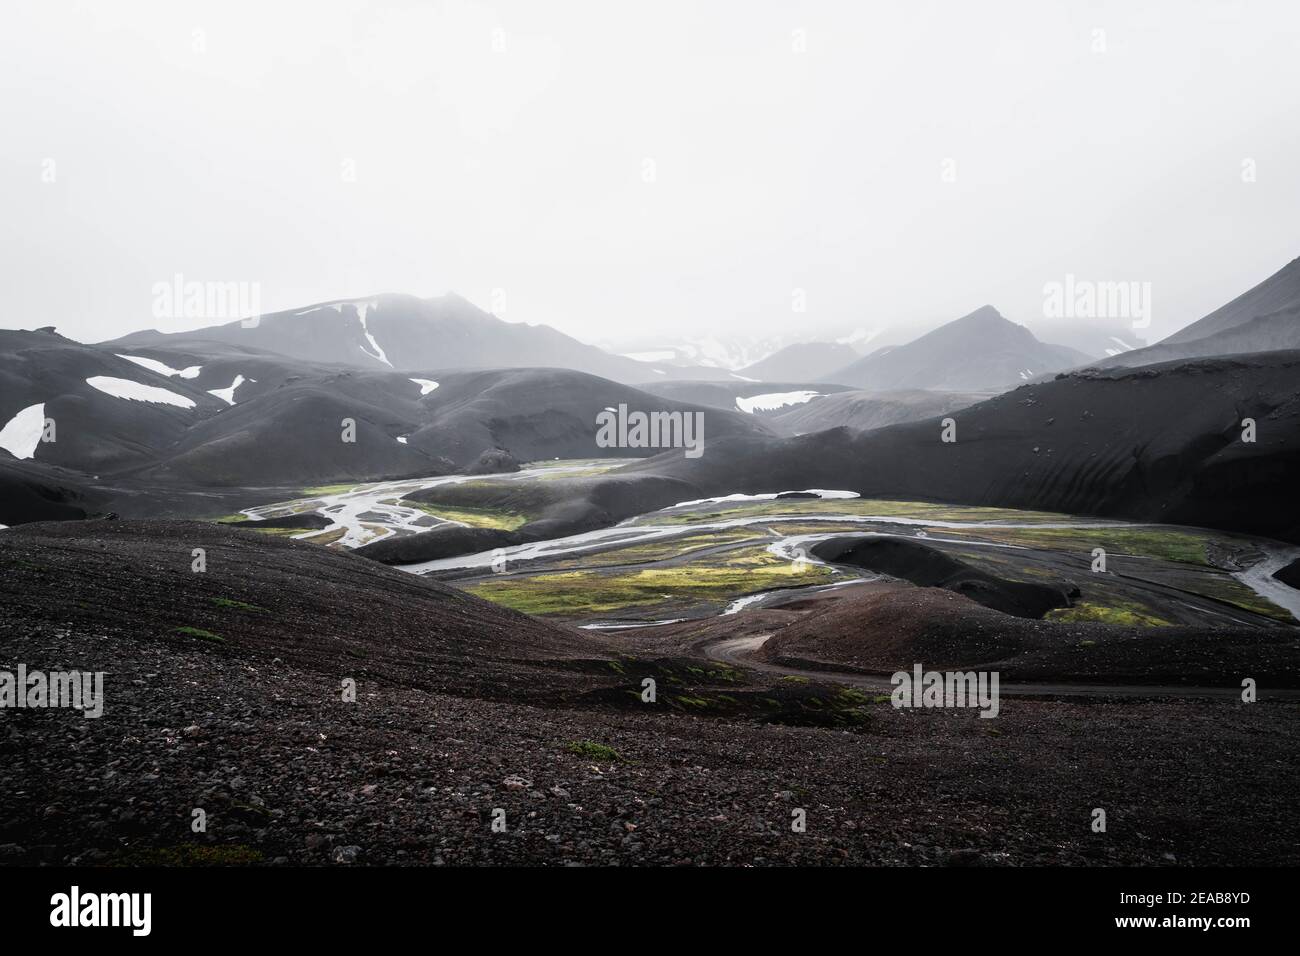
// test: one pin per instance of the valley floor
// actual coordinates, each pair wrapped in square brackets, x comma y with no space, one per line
[771,704]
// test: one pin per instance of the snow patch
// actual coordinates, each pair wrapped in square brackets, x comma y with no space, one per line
[227,395]
[22,433]
[426,385]
[135,392]
[362,307]
[665,355]
[826,493]
[161,368]
[772,400]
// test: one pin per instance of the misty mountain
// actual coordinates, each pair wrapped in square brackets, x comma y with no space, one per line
[406,333]
[1264,318]
[978,352]
[803,361]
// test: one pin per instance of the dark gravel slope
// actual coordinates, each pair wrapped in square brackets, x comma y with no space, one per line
[463,709]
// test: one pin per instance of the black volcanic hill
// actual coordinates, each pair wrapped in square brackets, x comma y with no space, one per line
[263,599]
[802,362]
[544,413]
[1265,318]
[1159,443]
[220,415]
[83,391]
[404,333]
[863,410]
[30,491]
[1278,293]
[978,352]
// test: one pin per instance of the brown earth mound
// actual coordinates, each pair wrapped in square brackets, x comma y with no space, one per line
[882,632]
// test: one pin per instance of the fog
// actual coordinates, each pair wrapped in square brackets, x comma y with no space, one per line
[635,172]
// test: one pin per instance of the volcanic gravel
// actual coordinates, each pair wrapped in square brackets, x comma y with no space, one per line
[255,731]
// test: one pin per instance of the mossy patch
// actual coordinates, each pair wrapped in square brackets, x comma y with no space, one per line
[191,854]
[1128,614]
[234,605]
[591,750]
[714,579]
[473,517]
[200,633]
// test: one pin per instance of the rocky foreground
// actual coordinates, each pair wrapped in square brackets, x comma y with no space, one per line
[254,730]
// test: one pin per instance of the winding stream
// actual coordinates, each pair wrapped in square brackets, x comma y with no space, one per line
[364,517]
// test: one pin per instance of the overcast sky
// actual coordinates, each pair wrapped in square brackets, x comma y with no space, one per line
[618,168]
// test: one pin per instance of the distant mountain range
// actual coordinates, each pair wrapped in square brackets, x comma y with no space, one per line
[802,362]
[1158,443]
[406,333]
[979,352]
[213,415]
[152,417]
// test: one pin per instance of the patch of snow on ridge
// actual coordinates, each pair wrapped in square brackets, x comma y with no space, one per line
[427,385]
[227,395]
[362,308]
[664,355]
[774,400]
[161,368]
[135,392]
[22,433]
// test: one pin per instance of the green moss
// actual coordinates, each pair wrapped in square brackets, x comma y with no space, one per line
[237,605]
[593,751]
[1131,615]
[320,491]
[654,551]
[200,633]
[702,702]
[808,508]
[473,517]
[326,537]
[1184,545]
[713,579]
[189,854]
[274,532]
